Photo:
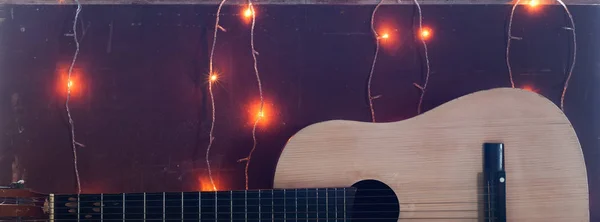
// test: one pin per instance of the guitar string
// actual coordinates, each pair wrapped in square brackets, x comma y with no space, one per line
[225,197]
[306,199]
[330,189]
[296,212]
[310,218]
[211,193]
[465,203]
[273,212]
[307,203]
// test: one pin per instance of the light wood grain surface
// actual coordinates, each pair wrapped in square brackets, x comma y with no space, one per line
[432,161]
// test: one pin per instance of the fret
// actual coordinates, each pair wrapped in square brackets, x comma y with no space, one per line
[231,205]
[172,206]
[302,206]
[331,204]
[88,207]
[113,207]
[326,204]
[284,209]
[311,204]
[123,197]
[182,197]
[101,207]
[349,202]
[345,212]
[238,206]
[340,194]
[163,206]
[134,206]
[317,203]
[78,207]
[191,206]
[208,207]
[322,204]
[307,204]
[223,206]
[291,205]
[278,205]
[216,207]
[199,206]
[246,205]
[272,207]
[144,206]
[154,206]
[335,191]
[252,205]
[266,205]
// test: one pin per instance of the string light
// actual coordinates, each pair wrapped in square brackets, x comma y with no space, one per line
[426,33]
[212,79]
[262,102]
[385,36]
[508,43]
[572,29]
[423,88]
[248,12]
[529,88]
[264,116]
[204,186]
[534,3]
[69,84]
[377,38]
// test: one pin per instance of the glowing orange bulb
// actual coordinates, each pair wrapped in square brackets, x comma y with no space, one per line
[205,185]
[213,77]
[263,115]
[248,12]
[385,36]
[529,88]
[533,3]
[70,84]
[426,33]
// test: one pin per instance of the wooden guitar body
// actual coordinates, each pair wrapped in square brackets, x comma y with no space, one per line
[433,162]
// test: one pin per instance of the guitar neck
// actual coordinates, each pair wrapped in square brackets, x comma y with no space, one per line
[250,205]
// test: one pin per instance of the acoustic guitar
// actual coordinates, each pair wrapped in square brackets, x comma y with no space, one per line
[495,155]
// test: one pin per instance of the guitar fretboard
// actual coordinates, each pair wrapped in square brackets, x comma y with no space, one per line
[324,204]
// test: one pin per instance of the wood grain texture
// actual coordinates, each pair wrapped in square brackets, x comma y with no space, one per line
[433,161]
